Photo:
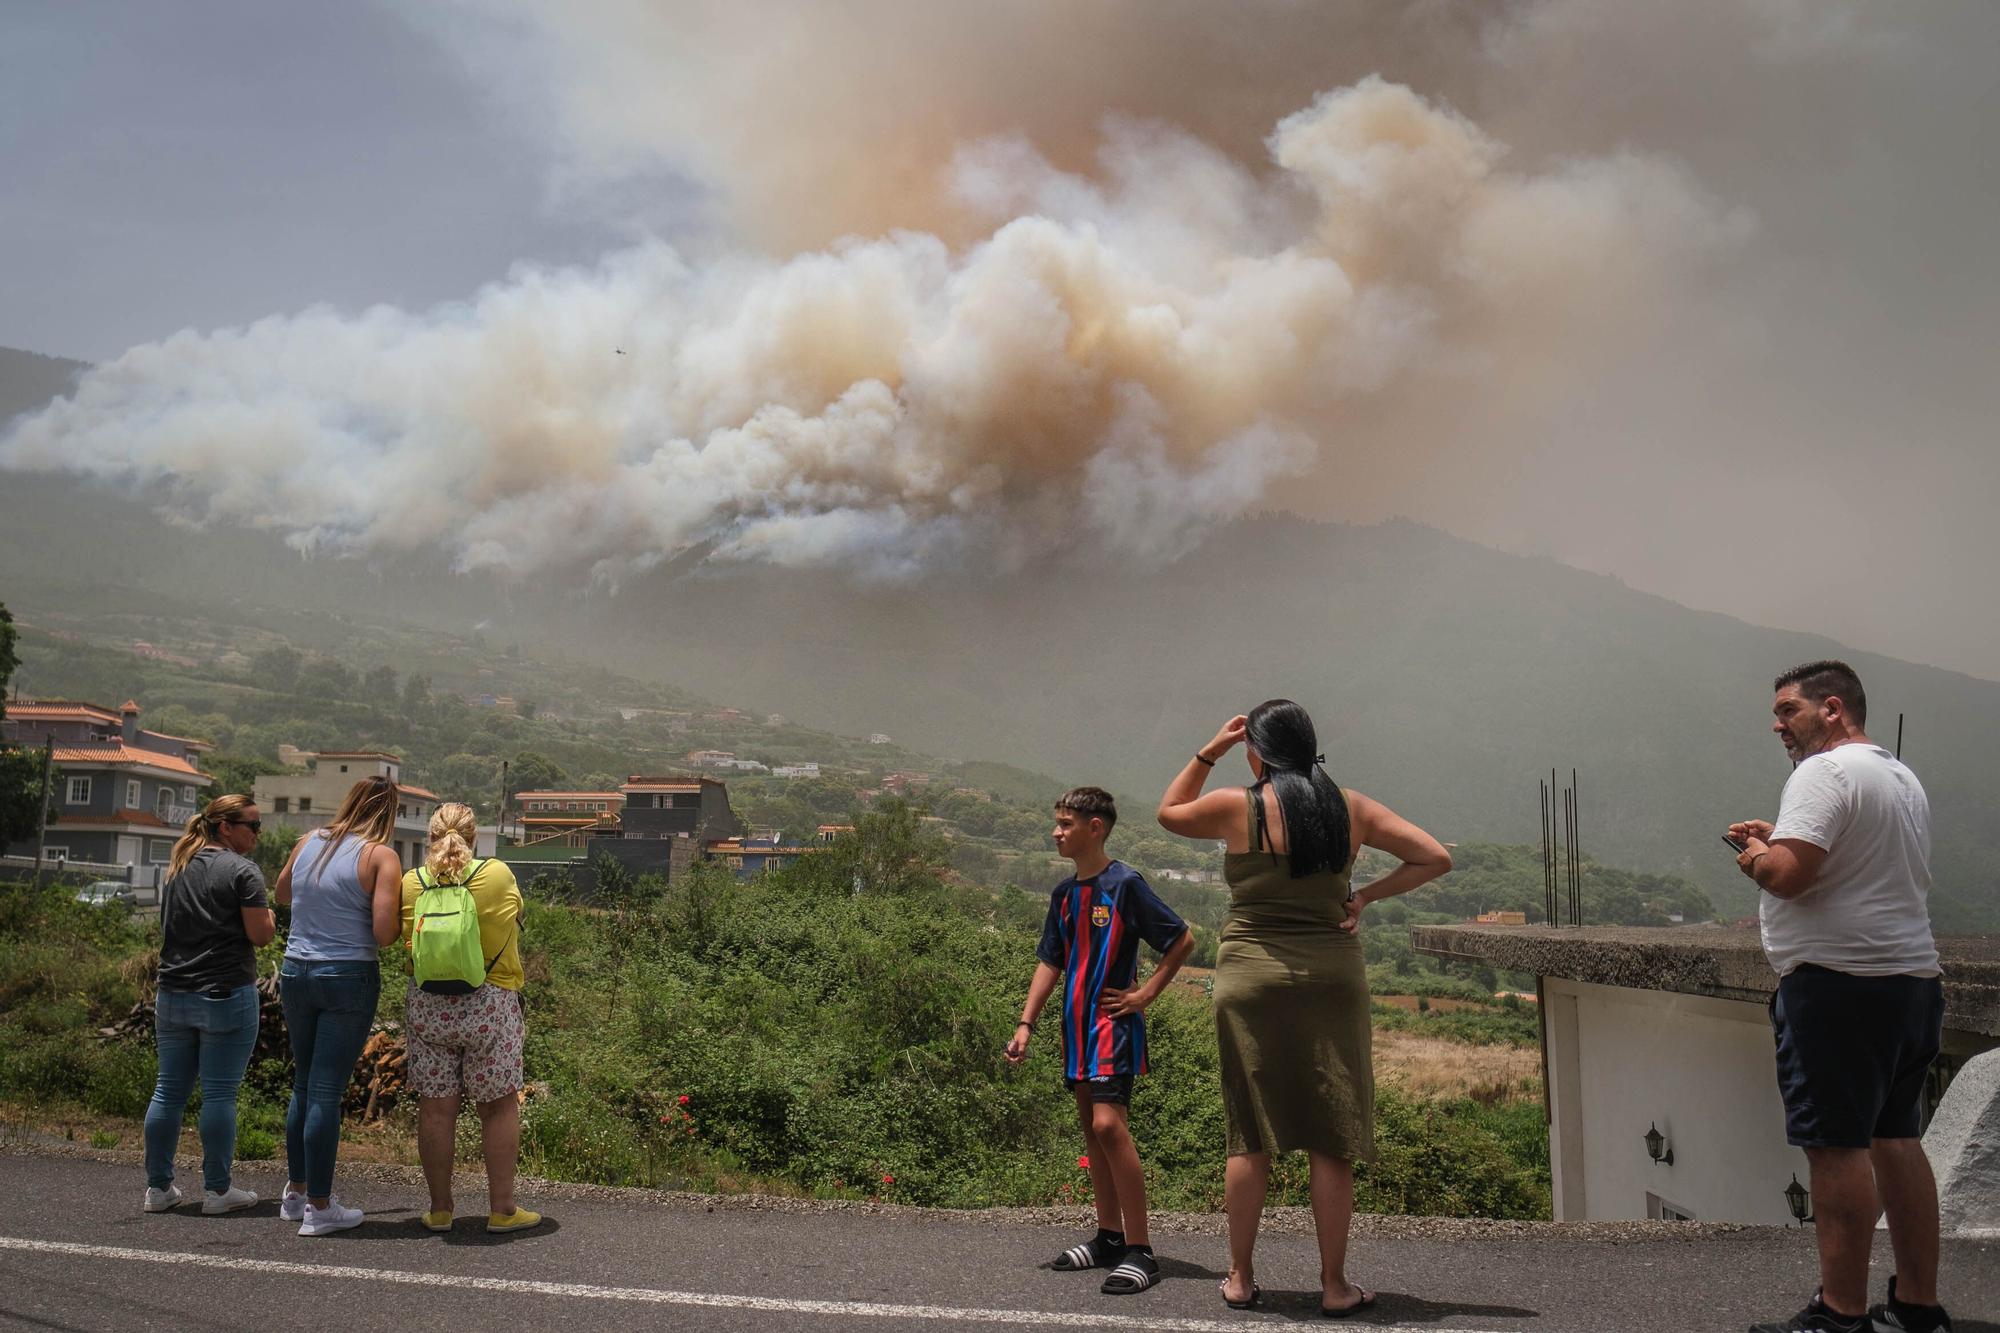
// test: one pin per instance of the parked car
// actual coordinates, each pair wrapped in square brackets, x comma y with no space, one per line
[108,892]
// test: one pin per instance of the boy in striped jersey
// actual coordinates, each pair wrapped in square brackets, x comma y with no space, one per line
[1090,948]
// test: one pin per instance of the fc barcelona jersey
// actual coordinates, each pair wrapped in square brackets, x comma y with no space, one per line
[1091,936]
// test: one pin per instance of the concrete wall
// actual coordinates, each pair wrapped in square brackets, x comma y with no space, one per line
[145,879]
[325,785]
[1699,1068]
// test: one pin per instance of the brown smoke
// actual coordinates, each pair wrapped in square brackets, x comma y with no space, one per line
[1121,358]
[981,279]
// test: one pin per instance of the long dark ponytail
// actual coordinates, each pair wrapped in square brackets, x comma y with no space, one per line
[1316,825]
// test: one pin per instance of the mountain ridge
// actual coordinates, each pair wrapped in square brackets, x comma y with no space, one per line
[1446,677]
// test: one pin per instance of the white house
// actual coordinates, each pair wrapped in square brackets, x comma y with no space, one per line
[309,800]
[1665,1031]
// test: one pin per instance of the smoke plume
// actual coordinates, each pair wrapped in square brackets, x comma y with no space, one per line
[1073,323]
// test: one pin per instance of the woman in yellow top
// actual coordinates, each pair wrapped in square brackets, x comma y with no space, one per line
[469,1045]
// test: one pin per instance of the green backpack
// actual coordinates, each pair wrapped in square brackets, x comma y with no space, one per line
[445,953]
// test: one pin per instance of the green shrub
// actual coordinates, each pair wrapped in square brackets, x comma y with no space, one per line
[119,1077]
[257,1111]
[42,1068]
[254,1144]
[574,1136]
[1489,1026]
[266,1081]
[1439,1159]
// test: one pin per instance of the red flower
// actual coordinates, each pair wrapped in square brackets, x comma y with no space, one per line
[664,1119]
[1084,1162]
[888,1180]
[684,1099]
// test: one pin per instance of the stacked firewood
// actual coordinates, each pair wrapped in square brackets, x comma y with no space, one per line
[378,1082]
[379,1076]
[272,1042]
[137,1024]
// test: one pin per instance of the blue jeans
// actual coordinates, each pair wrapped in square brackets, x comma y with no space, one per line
[329,1007]
[203,1036]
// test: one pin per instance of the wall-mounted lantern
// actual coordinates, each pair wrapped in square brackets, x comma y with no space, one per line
[1799,1200]
[1657,1147]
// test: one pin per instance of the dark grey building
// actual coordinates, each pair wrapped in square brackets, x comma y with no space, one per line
[665,825]
[695,809]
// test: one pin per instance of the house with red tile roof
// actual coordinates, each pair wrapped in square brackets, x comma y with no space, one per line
[32,722]
[122,793]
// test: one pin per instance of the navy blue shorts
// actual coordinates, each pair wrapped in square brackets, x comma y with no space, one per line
[1853,1053]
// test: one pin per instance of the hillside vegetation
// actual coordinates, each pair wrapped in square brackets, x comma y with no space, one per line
[573,730]
[833,1029]
[567,730]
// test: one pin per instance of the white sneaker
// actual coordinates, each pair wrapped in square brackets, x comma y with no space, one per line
[158,1201]
[292,1207]
[336,1216]
[227,1201]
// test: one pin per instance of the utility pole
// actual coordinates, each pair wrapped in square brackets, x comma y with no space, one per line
[42,819]
[502,821]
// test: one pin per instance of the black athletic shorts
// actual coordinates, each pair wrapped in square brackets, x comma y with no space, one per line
[1113,1088]
[1852,1054]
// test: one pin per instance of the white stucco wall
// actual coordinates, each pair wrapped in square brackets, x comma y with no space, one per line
[1701,1069]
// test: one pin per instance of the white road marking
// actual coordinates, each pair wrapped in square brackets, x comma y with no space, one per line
[652,1296]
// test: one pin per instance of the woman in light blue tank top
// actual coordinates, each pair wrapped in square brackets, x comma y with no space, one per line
[344,885]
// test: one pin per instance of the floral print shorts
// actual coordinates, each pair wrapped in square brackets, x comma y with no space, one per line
[464,1042]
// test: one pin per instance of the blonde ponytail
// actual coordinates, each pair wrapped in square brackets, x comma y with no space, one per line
[452,831]
[197,833]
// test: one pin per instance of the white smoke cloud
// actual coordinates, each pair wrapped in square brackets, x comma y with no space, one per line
[1113,359]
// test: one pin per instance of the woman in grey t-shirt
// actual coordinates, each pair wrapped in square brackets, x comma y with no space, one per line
[213,915]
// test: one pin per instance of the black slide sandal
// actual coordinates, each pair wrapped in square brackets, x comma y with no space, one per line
[1093,1253]
[1136,1272]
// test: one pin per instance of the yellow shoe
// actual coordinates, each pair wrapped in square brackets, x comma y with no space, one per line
[438,1221]
[518,1220]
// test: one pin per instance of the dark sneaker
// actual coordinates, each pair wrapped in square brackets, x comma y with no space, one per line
[1902,1317]
[1816,1318]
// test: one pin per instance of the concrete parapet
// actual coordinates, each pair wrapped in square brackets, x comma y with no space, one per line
[1963,1143]
[1716,961]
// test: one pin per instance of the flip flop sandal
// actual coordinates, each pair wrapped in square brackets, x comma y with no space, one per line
[1249,1302]
[1093,1253]
[1367,1299]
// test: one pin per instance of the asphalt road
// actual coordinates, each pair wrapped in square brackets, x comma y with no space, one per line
[77,1254]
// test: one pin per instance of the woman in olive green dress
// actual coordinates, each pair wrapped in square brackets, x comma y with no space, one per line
[1291,991]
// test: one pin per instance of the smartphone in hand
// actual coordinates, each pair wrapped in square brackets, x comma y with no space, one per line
[1738,847]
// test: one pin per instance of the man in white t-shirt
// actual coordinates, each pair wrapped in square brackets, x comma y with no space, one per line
[1859,1010]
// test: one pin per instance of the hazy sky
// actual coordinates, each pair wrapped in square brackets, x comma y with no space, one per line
[1713,305]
